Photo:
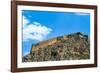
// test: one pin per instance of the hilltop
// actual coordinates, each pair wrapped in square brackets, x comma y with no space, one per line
[75,46]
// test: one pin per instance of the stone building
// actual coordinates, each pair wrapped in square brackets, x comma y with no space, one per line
[43,44]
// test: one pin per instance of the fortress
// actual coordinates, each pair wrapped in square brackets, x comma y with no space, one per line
[44,44]
[75,46]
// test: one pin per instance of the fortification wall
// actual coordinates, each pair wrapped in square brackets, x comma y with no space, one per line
[43,44]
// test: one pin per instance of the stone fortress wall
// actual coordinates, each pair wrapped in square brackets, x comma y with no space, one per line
[46,43]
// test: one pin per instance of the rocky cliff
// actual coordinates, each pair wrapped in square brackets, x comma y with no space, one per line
[74,46]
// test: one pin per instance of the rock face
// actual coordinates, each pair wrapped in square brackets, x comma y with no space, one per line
[74,46]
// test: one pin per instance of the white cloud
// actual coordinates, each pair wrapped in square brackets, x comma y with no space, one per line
[82,13]
[34,31]
[26,53]
[25,21]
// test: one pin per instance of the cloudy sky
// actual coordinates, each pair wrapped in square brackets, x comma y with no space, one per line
[43,25]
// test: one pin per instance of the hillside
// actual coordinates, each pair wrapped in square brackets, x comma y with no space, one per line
[74,46]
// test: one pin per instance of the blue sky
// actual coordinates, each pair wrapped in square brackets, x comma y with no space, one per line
[43,25]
